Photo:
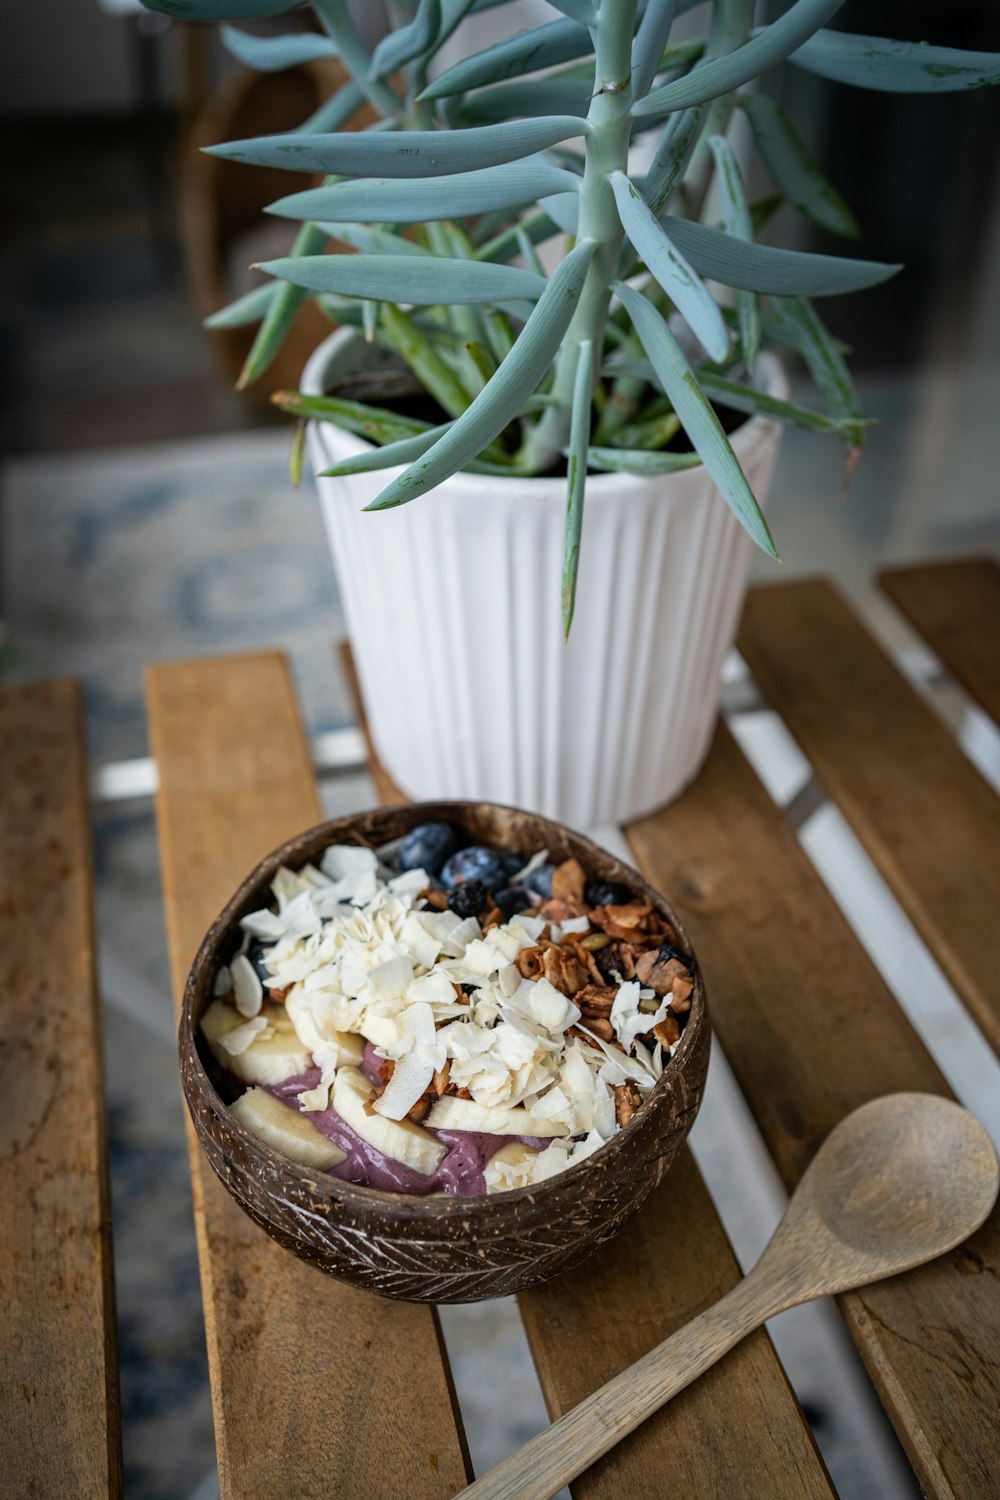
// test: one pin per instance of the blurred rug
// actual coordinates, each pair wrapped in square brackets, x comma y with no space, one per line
[112,560]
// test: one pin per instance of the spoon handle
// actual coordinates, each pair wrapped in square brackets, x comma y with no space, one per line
[572,1443]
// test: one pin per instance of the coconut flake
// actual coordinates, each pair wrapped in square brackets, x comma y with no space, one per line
[410,1078]
[341,860]
[247,988]
[237,1041]
[389,980]
[265,925]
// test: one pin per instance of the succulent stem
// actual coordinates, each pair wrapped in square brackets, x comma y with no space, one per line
[606,151]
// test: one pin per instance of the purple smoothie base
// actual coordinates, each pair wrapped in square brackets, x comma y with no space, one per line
[460,1171]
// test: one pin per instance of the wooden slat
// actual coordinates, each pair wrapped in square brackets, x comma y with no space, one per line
[926,816]
[956,608]
[318,1389]
[739,1429]
[811,1032]
[59,1415]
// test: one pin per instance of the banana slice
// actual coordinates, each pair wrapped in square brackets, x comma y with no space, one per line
[281,1126]
[316,1036]
[511,1167]
[399,1139]
[451,1113]
[276,1054]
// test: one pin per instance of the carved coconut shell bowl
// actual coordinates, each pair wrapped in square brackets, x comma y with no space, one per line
[440,1248]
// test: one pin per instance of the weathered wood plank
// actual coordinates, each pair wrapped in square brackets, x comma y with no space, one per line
[955,606]
[811,1031]
[926,816]
[740,1427]
[318,1389]
[59,1413]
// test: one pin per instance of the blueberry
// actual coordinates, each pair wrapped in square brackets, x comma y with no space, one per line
[427,847]
[540,880]
[468,899]
[514,899]
[606,893]
[256,953]
[494,867]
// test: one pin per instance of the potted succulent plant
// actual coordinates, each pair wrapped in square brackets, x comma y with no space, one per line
[498,396]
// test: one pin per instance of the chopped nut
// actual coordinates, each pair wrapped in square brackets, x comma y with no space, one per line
[627,1101]
[568,881]
[369,1104]
[602,1028]
[561,908]
[582,1036]
[385,1068]
[595,1001]
[278,996]
[439,1082]
[420,1110]
[680,997]
[667,1032]
[563,969]
[531,963]
[663,970]
[493,918]
[617,959]
[437,899]
[635,922]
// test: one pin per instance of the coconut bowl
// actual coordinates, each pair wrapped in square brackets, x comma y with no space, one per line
[440,1248]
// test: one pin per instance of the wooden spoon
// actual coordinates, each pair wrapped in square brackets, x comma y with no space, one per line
[896,1183]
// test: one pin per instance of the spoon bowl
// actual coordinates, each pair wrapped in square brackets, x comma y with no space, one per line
[898,1182]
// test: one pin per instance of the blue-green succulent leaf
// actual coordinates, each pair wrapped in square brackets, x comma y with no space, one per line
[565,92]
[420,199]
[670,160]
[763,268]
[874,62]
[636,461]
[280,314]
[762,52]
[504,397]
[428,279]
[403,153]
[537,47]
[800,327]
[793,169]
[415,40]
[336,20]
[736,216]
[271,54]
[374,241]
[650,40]
[563,209]
[249,308]
[749,399]
[668,266]
[576,480]
[580,11]
[695,411]
[220,10]
[336,110]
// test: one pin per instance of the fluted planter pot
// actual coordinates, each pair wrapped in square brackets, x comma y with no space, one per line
[453,610]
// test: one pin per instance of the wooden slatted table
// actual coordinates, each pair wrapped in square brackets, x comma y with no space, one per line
[808,1025]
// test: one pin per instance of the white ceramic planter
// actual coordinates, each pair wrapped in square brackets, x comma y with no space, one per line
[453,610]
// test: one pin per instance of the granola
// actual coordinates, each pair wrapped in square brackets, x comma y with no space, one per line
[423,1030]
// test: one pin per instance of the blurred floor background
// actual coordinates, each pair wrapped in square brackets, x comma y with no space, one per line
[146,514]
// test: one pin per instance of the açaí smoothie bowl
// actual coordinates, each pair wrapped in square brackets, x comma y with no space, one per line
[444,1050]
